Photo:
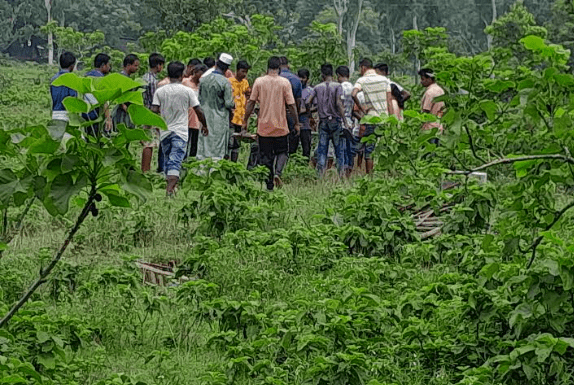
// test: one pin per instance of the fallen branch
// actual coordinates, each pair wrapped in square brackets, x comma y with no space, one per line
[567,159]
[46,271]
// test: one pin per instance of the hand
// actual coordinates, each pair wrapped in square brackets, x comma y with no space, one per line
[124,107]
[362,130]
[109,125]
[204,131]
[244,127]
[297,128]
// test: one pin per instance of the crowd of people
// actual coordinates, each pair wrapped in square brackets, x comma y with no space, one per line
[207,108]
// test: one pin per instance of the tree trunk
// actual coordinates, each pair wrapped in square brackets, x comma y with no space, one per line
[48,4]
[341,7]
[494,17]
[352,38]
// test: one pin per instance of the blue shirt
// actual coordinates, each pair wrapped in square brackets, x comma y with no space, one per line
[295,82]
[58,95]
[95,73]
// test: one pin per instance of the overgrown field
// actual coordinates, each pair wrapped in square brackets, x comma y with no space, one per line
[323,282]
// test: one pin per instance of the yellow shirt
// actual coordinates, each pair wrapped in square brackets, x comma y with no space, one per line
[239,90]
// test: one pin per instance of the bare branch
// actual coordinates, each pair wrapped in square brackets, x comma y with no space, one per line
[564,158]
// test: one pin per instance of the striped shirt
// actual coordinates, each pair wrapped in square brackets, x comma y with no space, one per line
[375,88]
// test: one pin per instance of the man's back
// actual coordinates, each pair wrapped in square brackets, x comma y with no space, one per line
[174,100]
[376,87]
[212,90]
[327,95]
[58,95]
[273,93]
[295,82]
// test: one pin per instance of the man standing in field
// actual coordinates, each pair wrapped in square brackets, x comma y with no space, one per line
[273,93]
[173,102]
[428,104]
[131,66]
[216,98]
[349,143]
[329,96]
[377,92]
[58,94]
[240,87]
[194,125]
[305,113]
[102,67]
[156,63]
[399,94]
[297,89]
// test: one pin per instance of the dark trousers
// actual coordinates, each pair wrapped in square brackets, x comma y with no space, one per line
[293,137]
[273,154]
[306,138]
[192,142]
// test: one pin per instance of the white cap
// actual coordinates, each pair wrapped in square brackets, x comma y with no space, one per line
[226,58]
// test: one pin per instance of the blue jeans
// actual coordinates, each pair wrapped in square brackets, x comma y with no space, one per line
[330,130]
[369,147]
[173,148]
[350,151]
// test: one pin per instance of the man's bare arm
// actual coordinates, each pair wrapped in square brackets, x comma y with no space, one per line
[248,111]
[357,101]
[155,109]
[298,105]
[293,112]
[341,110]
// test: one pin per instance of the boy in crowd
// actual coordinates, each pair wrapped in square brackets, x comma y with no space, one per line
[399,94]
[173,101]
[156,63]
[131,66]
[428,104]
[58,94]
[102,67]
[197,70]
[331,119]
[240,87]
[304,113]
[348,135]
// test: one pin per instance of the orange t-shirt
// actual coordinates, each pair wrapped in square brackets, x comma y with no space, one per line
[273,93]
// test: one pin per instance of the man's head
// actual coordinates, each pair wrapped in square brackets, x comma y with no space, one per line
[284,62]
[156,62]
[382,69]
[102,63]
[327,70]
[427,77]
[209,62]
[343,74]
[304,75]
[67,61]
[224,62]
[242,70]
[274,63]
[365,64]
[190,66]
[175,71]
[131,64]
[198,70]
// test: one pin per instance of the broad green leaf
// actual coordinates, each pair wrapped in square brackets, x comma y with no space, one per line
[42,336]
[57,129]
[490,108]
[116,199]
[75,105]
[62,189]
[103,96]
[115,81]
[48,360]
[130,97]
[45,145]
[133,134]
[13,379]
[73,81]
[144,117]
[135,183]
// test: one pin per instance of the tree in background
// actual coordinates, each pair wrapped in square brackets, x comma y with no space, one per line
[561,25]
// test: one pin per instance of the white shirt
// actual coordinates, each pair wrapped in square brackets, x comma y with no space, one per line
[174,101]
[208,72]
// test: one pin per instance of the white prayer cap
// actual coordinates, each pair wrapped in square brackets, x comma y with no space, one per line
[226,58]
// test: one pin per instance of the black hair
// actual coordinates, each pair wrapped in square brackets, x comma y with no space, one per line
[200,67]
[175,69]
[284,60]
[304,73]
[222,66]
[382,67]
[67,59]
[327,69]
[343,71]
[243,65]
[101,59]
[155,59]
[366,62]
[193,62]
[426,73]
[209,62]
[130,59]
[273,63]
